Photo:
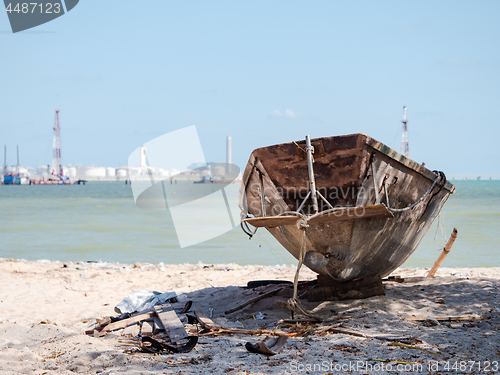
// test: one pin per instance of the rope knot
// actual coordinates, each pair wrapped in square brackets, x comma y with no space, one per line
[302,223]
[291,304]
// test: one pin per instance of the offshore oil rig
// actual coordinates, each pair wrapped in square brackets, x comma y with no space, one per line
[13,175]
[57,169]
[18,176]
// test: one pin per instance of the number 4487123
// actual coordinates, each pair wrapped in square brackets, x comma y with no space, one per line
[34,8]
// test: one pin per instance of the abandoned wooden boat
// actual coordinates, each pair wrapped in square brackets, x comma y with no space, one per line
[349,206]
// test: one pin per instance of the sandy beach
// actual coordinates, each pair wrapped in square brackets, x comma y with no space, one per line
[46,306]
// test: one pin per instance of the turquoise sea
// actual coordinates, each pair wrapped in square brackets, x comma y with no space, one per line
[100,221]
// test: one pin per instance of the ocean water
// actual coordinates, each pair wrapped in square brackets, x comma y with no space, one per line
[100,221]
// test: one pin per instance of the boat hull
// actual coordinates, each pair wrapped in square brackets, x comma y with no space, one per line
[358,245]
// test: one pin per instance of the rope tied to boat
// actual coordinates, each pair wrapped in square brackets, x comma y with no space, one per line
[302,223]
[440,175]
[294,302]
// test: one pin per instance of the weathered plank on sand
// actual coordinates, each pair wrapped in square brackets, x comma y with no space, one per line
[104,321]
[173,326]
[205,321]
[147,328]
[126,322]
[131,330]
[157,324]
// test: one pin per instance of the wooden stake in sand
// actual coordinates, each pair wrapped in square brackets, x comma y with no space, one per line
[445,252]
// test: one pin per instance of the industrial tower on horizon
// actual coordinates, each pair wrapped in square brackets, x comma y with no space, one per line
[405,148]
[57,169]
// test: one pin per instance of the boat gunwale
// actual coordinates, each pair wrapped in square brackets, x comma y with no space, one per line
[407,162]
[378,146]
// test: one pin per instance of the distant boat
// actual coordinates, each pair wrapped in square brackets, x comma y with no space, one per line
[16,178]
[363,206]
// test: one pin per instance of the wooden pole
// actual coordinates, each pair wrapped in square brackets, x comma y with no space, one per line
[443,255]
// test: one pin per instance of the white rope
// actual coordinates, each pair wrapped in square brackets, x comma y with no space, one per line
[294,302]
[443,231]
[417,202]
[296,144]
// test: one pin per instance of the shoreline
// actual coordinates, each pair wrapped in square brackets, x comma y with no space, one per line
[45,308]
[99,263]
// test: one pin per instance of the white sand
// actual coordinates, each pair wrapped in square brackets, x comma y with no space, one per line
[68,299]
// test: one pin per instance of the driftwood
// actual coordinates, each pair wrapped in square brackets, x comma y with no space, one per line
[253,300]
[238,331]
[445,252]
[446,318]
[333,329]
[383,338]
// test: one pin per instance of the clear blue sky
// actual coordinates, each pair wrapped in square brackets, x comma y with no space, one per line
[265,72]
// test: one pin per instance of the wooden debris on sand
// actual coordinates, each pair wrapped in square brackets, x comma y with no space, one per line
[126,322]
[131,330]
[169,319]
[205,321]
[161,322]
[443,255]
[445,318]
[147,328]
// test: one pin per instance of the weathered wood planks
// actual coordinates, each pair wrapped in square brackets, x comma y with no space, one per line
[205,321]
[173,326]
[126,322]
[147,328]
